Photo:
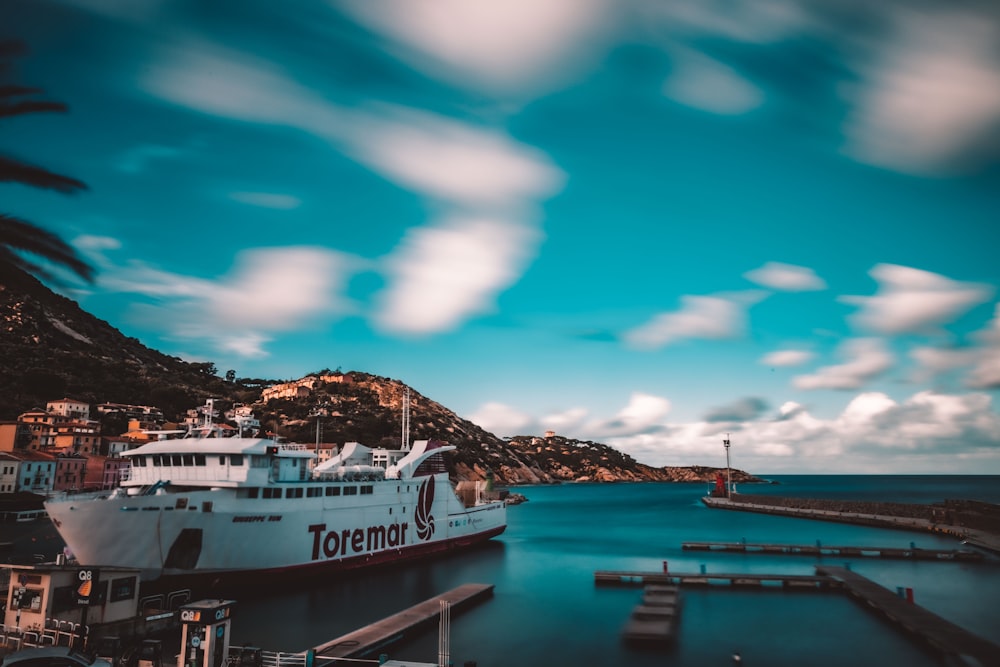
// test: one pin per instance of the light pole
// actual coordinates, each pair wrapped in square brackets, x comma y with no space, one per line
[729,473]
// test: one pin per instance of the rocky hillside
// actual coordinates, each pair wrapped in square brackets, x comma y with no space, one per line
[50,348]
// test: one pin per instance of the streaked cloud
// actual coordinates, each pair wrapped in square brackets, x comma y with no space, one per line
[716,317]
[443,274]
[503,419]
[931,93]
[644,413]
[705,83]
[268,290]
[518,47]
[138,158]
[866,359]
[783,358]
[927,432]
[273,200]
[451,161]
[744,409]
[913,301]
[786,277]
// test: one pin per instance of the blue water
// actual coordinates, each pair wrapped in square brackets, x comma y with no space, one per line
[547,612]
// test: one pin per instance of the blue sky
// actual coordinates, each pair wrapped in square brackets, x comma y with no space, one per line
[647,224]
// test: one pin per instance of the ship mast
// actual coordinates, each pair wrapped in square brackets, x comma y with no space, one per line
[729,472]
[405,436]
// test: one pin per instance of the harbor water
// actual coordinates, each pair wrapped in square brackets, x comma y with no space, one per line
[547,612]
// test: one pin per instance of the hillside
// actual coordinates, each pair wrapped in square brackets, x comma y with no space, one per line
[50,348]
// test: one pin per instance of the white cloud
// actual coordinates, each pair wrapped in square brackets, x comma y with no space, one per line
[565,421]
[452,161]
[927,433]
[643,413]
[708,317]
[912,301]
[786,277]
[705,83]
[515,46]
[503,420]
[867,358]
[985,373]
[784,358]
[268,290]
[487,184]
[933,92]
[267,200]
[441,275]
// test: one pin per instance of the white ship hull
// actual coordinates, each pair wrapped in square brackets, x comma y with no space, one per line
[215,519]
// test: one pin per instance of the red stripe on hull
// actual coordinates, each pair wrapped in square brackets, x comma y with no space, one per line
[210,581]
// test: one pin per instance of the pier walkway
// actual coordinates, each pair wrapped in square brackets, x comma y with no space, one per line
[957,645]
[741,579]
[913,553]
[376,637]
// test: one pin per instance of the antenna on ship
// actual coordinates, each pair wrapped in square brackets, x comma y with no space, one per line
[405,437]
[729,472]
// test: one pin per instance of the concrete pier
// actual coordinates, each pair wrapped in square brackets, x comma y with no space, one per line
[977,538]
[914,553]
[376,637]
[955,644]
[741,579]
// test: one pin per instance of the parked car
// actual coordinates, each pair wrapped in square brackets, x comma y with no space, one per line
[51,656]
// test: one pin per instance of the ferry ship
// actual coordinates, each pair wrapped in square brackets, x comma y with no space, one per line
[217,507]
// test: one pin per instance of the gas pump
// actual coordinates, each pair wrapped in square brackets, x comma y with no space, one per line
[204,633]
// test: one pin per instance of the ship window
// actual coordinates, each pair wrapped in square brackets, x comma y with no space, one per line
[390,510]
[155,459]
[206,506]
[314,492]
[236,460]
[222,460]
[350,490]
[176,460]
[139,461]
[253,492]
[272,493]
[189,459]
[333,490]
[181,503]
[366,490]
[293,493]
[199,459]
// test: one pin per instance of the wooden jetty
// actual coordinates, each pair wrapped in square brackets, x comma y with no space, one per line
[955,644]
[376,637]
[741,579]
[654,621]
[914,553]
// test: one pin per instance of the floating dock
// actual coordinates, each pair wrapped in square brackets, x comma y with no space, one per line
[376,637]
[913,553]
[654,621]
[957,645]
[741,579]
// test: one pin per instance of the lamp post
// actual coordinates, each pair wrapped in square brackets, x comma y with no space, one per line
[729,473]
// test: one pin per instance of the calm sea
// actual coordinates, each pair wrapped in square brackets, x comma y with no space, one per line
[547,612]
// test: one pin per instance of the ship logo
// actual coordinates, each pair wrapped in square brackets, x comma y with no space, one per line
[83,591]
[423,517]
